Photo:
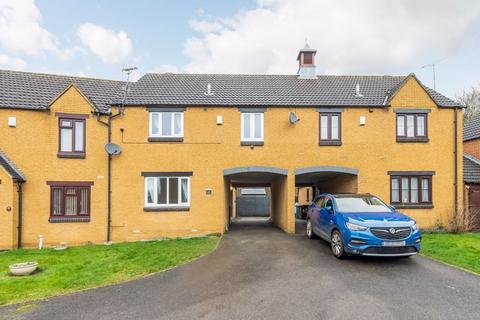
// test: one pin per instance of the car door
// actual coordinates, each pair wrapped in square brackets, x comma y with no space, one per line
[325,218]
[314,212]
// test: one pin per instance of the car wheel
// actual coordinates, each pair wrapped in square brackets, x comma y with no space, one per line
[310,233]
[337,245]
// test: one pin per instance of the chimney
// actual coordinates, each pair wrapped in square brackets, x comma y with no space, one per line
[306,63]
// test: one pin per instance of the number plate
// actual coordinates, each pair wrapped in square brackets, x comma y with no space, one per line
[394,244]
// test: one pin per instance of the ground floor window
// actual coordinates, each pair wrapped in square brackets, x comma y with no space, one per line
[69,200]
[167,192]
[411,190]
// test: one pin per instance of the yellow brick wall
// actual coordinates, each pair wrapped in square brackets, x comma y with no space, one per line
[33,146]
[207,150]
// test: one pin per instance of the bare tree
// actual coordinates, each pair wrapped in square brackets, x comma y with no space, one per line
[471,100]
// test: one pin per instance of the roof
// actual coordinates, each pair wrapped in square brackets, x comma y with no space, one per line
[471,169]
[268,90]
[471,128]
[306,49]
[11,168]
[36,91]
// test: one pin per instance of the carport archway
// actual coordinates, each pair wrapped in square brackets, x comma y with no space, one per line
[324,179]
[312,175]
[271,178]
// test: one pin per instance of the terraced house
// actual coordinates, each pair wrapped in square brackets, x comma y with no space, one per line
[189,141]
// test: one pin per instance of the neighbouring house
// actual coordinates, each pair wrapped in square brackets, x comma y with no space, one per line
[471,171]
[190,141]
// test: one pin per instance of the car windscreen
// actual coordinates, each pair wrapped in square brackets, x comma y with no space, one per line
[361,204]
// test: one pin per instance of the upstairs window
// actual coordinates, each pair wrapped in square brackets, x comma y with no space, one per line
[252,128]
[167,193]
[412,127]
[411,191]
[71,137]
[330,129]
[168,126]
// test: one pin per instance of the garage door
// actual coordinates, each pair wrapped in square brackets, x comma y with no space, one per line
[253,206]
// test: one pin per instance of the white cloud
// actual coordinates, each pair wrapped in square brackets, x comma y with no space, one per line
[20,28]
[351,36]
[11,63]
[110,46]
[165,68]
[69,53]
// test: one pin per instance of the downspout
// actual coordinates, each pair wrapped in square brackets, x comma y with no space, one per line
[109,172]
[109,175]
[109,140]
[455,152]
[20,213]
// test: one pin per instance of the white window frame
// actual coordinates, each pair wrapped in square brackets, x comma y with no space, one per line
[160,115]
[252,127]
[155,203]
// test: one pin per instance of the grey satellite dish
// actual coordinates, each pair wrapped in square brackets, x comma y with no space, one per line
[293,117]
[113,149]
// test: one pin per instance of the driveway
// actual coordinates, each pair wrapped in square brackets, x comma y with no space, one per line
[259,272]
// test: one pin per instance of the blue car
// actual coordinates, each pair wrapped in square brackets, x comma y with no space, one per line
[362,224]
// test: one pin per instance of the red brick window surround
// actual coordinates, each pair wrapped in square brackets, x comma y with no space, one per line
[71,135]
[69,201]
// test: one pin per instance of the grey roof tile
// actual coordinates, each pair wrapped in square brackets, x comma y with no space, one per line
[270,90]
[471,128]
[27,90]
[35,91]
[11,168]
[471,169]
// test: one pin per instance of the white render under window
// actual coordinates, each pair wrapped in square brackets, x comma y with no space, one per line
[166,125]
[252,127]
[164,192]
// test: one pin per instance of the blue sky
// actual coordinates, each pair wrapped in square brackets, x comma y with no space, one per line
[98,38]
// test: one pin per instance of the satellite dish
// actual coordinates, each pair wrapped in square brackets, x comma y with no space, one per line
[113,149]
[293,117]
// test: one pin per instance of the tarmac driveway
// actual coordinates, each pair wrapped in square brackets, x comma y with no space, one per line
[259,272]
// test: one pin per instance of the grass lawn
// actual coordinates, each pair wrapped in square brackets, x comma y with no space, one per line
[96,265]
[462,250]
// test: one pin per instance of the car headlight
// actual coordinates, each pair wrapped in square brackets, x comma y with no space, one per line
[415,227]
[355,227]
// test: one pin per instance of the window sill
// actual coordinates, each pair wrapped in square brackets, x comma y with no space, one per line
[68,219]
[252,143]
[74,155]
[330,143]
[412,206]
[165,139]
[406,140]
[157,209]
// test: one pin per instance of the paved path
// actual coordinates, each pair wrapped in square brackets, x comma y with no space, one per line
[259,272]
